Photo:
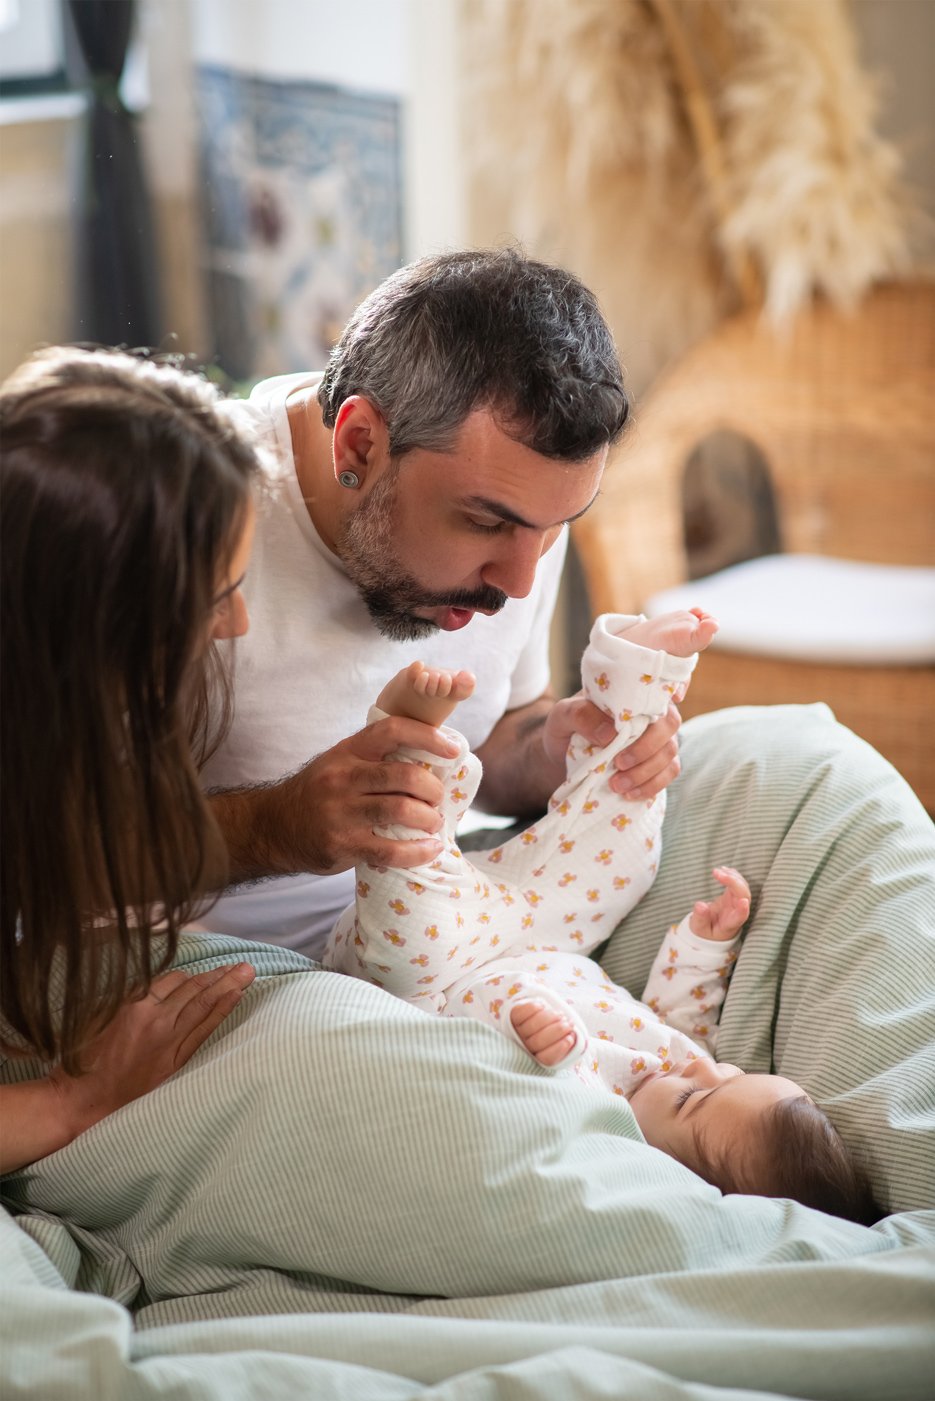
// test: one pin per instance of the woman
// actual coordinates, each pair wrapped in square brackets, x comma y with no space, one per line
[126,528]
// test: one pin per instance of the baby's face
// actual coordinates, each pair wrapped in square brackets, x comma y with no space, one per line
[716,1103]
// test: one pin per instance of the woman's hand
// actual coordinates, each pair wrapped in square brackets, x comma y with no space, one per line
[148,1040]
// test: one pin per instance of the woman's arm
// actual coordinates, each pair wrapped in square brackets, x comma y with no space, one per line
[149,1039]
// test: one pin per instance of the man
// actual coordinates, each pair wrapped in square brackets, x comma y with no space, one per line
[416,507]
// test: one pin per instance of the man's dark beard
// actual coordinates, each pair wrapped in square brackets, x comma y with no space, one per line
[390,594]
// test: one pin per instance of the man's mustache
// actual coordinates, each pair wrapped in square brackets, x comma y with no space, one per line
[488,599]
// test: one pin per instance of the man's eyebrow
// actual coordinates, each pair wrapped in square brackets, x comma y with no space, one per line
[506,513]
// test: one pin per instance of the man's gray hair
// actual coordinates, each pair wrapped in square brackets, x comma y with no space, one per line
[482,329]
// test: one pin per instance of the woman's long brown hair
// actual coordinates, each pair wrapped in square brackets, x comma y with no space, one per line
[124,489]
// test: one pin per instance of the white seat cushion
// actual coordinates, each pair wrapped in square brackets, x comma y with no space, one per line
[810,608]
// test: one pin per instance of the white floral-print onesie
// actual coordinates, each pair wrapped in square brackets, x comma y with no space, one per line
[464,937]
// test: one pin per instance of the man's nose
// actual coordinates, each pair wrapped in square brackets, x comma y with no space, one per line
[513,571]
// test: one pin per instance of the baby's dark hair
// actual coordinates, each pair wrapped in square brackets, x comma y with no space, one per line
[800,1155]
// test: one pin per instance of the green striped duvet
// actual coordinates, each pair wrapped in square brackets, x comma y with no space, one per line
[341,1196]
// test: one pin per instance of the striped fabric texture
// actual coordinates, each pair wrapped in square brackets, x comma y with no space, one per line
[430,1213]
[835,983]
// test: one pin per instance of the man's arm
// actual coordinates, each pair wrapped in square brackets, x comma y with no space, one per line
[321,819]
[524,755]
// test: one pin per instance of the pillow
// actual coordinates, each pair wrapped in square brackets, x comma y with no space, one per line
[809,608]
[835,983]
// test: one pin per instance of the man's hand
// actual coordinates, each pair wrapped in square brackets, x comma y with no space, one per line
[322,818]
[644,769]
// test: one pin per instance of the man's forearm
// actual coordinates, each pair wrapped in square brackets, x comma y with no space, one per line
[329,814]
[246,819]
[518,777]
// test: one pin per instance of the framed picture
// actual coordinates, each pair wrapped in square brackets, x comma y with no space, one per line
[302,214]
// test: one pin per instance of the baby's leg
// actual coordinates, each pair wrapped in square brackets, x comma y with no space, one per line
[583,866]
[415,932]
[425,693]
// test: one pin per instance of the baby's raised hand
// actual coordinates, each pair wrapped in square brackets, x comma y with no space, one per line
[724,917]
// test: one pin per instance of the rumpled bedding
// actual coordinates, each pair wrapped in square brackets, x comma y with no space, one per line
[341,1196]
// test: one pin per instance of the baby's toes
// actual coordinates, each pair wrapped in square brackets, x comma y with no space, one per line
[463,685]
[436,686]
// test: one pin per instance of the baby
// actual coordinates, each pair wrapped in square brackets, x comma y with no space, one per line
[504,937]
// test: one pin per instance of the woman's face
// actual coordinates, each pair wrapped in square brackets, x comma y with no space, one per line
[229,617]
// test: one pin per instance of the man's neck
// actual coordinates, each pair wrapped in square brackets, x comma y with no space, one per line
[312,453]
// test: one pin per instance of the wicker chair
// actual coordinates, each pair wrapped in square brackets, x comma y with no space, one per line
[843,410]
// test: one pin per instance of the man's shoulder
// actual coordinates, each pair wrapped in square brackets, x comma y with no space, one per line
[268,395]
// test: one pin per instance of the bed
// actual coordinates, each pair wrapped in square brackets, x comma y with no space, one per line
[342,1197]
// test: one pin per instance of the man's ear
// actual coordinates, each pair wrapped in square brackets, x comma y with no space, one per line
[360,443]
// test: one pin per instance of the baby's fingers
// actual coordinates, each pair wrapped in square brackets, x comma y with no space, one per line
[732,881]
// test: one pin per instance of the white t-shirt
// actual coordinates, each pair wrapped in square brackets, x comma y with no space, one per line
[313,663]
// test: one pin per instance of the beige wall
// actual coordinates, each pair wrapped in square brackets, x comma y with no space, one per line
[897,40]
[35,236]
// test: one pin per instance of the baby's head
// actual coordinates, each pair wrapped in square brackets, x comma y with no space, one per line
[759,1134]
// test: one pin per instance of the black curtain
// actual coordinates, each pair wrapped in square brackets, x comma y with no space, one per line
[117,296]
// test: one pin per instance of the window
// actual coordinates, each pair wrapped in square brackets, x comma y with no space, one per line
[32,48]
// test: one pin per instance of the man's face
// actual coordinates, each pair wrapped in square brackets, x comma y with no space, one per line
[440,536]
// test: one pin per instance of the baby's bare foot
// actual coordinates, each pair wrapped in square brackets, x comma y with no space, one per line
[425,693]
[679,634]
[545,1033]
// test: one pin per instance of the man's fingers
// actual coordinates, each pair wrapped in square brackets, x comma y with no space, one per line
[410,780]
[385,737]
[381,853]
[657,742]
[652,762]
[647,780]
[583,717]
[393,810]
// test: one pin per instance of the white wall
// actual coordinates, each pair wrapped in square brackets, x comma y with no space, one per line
[403,48]
[436,207]
[355,43]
